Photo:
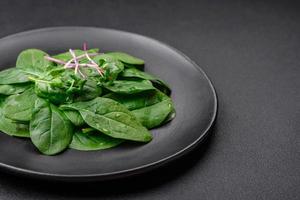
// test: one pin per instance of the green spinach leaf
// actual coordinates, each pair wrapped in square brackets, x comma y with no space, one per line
[10,127]
[19,107]
[75,117]
[110,65]
[129,87]
[52,90]
[154,115]
[12,76]
[32,61]
[151,109]
[90,90]
[111,118]
[135,73]
[50,130]
[170,116]
[93,140]
[14,88]
[126,58]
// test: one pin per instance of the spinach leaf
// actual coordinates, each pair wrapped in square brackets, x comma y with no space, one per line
[93,140]
[90,90]
[14,88]
[135,73]
[51,90]
[11,127]
[129,87]
[110,65]
[170,116]
[111,118]
[154,115]
[102,58]
[151,109]
[75,117]
[137,101]
[71,82]
[12,76]
[19,107]
[50,131]
[126,58]
[32,61]
[62,87]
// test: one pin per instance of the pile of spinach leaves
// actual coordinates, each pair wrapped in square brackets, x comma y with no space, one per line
[59,109]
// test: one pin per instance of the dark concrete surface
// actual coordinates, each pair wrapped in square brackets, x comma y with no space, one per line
[251,52]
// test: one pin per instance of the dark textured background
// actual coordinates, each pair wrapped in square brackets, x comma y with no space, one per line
[251,52]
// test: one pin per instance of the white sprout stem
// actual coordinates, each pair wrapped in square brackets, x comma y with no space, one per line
[83,55]
[55,60]
[81,74]
[78,58]
[98,70]
[87,65]
[72,65]
[89,58]
[63,62]
[68,64]
[97,66]
[75,60]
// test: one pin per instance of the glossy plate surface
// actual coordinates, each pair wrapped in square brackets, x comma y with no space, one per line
[192,92]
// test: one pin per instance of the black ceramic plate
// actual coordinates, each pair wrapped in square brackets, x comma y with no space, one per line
[192,92]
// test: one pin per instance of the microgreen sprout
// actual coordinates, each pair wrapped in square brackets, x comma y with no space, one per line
[75,61]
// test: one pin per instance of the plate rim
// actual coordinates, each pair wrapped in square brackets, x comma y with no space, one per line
[126,172]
